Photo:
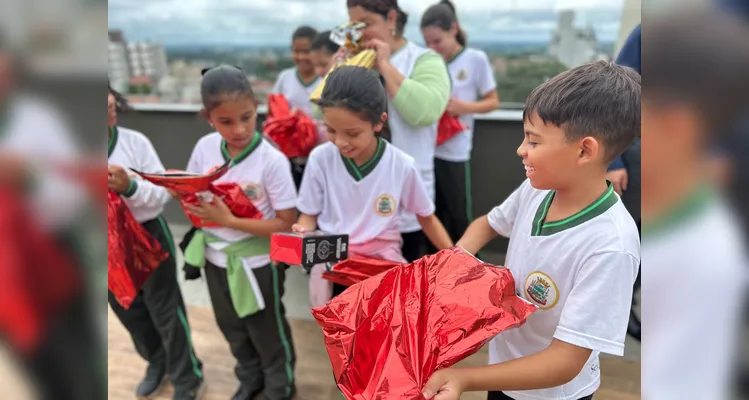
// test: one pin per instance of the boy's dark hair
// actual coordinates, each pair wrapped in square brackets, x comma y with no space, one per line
[442,15]
[322,42]
[120,101]
[598,99]
[382,7]
[704,69]
[304,32]
[224,82]
[357,89]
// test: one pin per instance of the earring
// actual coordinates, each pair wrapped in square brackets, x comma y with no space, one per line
[393,32]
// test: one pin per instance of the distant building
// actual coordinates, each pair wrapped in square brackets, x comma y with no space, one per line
[142,62]
[119,66]
[573,45]
[147,59]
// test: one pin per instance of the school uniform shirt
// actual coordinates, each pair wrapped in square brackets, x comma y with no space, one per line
[472,79]
[289,84]
[33,129]
[695,283]
[363,201]
[132,150]
[263,172]
[413,105]
[579,272]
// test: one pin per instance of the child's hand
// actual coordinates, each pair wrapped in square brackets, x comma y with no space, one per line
[444,384]
[118,180]
[296,228]
[215,212]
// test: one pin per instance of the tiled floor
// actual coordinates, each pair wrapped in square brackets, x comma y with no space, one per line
[621,376]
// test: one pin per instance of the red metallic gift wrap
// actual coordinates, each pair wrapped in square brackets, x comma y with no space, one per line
[185,183]
[388,334]
[356,269]
[294,132]
[448,127]
[38,277]
[234,197]
[133,254]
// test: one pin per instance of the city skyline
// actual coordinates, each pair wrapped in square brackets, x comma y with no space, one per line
[203,23]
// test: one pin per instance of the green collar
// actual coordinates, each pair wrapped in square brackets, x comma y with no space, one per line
[359,173]
[244,153]
[301,81]
[113,133]
[688,208]
[596,208]
[456,55]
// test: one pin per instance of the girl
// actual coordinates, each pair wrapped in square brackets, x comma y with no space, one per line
[418,87]
[322,53]
[245,288]
[157,319]
[473,91]
[356,183]
[323,50]
[297,83]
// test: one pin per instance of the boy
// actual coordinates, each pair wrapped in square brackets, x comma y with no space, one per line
[574,249]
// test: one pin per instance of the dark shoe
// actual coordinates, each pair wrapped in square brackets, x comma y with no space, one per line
[190,394]
[150,385]
[244,393]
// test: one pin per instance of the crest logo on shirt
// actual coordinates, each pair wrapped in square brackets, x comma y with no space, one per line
[385,205]
[462,75]
[253,191]
[541,290]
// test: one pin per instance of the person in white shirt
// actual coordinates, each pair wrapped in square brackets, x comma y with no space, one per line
[244,286]
[474,91]
[574,249]
[296,84]
[157,319]
[418,89]
[692,239]
[356,183]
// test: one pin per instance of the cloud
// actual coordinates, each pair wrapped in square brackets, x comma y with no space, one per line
[238,22]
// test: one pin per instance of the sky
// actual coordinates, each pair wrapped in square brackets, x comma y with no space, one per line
[243,22]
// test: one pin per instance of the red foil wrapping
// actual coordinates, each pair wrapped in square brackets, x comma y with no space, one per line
[185,183]
[38,277]
[448,127]
[388,334]
[234,197]
[190,187]
[294,132]
[356,269]
[133,253]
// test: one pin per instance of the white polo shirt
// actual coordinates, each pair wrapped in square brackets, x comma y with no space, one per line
[578,271]
[472,79]
[362,202]
[133,150]
[261,170]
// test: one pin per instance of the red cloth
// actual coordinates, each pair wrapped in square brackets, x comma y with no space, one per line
[37,277]
[294,132]
[387,335]
[133,254]
[234,197]
[356,269]
[448,127]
